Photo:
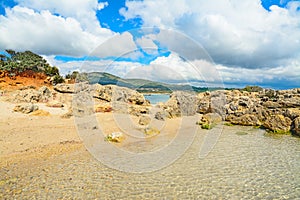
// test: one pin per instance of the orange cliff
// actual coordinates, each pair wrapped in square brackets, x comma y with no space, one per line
[27,78]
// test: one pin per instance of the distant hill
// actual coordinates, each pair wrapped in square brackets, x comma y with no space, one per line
[141,85]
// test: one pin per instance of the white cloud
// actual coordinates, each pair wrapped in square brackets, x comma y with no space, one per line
[117,46]
[84,11]
[23,28]
[235,33]
[147,45]
[102,5]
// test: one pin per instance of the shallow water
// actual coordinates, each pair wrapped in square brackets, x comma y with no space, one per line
[240,166]
[156,98]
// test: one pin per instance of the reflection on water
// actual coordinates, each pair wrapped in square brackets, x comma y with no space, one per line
[240,166]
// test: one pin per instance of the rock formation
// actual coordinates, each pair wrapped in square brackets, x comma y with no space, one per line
[26,108]
[276,110]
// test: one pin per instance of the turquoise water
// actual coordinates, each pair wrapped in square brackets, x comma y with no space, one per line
[156,98]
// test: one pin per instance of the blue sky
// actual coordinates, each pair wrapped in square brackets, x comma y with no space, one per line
[245,42]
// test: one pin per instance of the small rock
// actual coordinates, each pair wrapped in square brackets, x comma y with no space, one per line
[144,120]
[151,131]
[55,104]
[67,115]
[115,137]
[159,116]
[26,108]
[103,108]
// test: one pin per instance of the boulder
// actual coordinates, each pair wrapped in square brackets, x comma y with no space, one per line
[278,123]
[83,104]
[122,94]
[118,94]
[244,101]
[292,113]
[159,116]
[144,120]
[210,118]
[269,93]
[218,102]
[46,93]
[296,127]
[181,104]
[30,95]
[293,102]
[103,92]
[65,88]
[245,120]
[271,104]
[138,110]
[26,108]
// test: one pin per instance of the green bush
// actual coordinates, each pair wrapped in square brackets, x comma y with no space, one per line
[58,79]
[207,126]
[254,88]
[72,76]
[51,71]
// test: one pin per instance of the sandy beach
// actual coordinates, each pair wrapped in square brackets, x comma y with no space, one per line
[43,157]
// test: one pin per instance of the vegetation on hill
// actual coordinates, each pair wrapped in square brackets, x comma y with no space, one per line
[16,63]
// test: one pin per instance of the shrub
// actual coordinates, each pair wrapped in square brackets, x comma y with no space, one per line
[207,126]
[249,88]
[58,79]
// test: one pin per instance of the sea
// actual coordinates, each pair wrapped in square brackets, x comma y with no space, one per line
[156,98]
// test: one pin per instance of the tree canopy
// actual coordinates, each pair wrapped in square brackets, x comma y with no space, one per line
[17,62]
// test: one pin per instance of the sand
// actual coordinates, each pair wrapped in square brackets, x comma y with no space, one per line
[43,157]
[26,138]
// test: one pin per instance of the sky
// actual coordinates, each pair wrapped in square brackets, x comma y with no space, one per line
[229,43]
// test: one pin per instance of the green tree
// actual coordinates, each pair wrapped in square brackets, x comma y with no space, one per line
[58,79]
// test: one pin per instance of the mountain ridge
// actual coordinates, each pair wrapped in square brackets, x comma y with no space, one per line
[141,85]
